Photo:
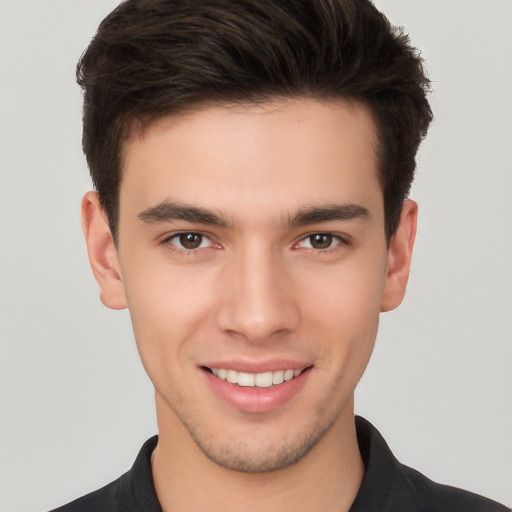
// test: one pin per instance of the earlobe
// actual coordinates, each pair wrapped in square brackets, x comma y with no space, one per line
[399,257]
[102,253]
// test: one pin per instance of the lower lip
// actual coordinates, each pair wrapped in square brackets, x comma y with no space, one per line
[256,400]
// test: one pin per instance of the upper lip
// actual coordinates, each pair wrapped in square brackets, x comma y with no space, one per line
[258,366]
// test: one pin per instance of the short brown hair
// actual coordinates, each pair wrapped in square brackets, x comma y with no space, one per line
[153,58]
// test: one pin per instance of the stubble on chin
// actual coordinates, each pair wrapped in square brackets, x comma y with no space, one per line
[253,455]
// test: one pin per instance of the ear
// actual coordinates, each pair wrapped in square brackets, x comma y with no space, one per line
[102,252]
[399,257]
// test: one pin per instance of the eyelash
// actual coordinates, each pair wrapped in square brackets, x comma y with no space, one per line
[167,242]
[340,242]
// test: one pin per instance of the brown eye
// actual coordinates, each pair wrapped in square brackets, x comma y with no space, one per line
[190,240]
[321,241]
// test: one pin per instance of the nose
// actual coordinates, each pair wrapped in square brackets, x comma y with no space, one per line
[259,302]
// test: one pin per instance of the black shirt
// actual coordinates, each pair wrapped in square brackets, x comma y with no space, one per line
[388,486]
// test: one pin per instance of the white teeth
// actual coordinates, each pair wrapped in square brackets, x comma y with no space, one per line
[259,380]
[263,380]
[246,379]
[232,376]
[278,377]
[288,375]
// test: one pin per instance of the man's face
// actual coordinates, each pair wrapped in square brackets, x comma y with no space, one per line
[252,247]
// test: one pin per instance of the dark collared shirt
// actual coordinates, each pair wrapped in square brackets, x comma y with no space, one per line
[388,486]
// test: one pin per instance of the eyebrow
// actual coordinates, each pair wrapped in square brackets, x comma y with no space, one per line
[171,211]
[329,213]
[168,212]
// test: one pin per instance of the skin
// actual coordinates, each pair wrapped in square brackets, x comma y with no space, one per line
[257,288]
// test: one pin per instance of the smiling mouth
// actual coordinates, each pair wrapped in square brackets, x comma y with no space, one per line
[255,380]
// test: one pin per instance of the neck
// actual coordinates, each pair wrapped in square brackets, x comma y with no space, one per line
[328,477]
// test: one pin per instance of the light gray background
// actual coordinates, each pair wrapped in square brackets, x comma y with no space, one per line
[75,402]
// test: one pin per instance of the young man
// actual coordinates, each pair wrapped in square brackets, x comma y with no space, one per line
[252,162]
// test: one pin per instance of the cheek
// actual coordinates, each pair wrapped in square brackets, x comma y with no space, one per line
[350,291]
[346,308]
[168,306]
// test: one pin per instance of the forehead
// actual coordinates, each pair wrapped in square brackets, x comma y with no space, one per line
[225,156]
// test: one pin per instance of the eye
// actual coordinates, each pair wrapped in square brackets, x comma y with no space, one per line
[320,241]
[189,241]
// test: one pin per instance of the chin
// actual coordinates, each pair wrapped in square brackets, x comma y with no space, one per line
[259,453]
